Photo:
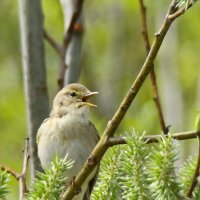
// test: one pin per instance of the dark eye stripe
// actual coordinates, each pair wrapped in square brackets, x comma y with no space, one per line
[73,94]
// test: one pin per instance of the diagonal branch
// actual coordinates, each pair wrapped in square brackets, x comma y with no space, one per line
[113,124]
[67,39]
[69,33]
[52,41]
[156,97]
[196,174]
[10,171]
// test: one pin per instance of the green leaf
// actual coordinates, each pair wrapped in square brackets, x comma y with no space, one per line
[51,183]
[107,186]
[4,179]
[164,184]
[133,163]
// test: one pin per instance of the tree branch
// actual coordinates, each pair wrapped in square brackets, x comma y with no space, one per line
[196,174]
[52,42]
[22,178]
[156,97]
[10,171]
[73,27]
[154,138]
[113,124]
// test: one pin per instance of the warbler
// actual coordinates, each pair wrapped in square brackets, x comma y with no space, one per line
[68,130]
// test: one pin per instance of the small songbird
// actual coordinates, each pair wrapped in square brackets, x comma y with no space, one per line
[69,131]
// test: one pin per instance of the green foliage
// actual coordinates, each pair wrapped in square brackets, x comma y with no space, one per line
[51,183]
[140,171]
[133,169]
[4,179]
[162,171]
[107,187]
[186,172]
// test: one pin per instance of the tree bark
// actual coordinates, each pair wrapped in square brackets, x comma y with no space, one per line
[37,103]
[73,53]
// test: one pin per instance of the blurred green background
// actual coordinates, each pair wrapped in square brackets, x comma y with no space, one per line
[113,53]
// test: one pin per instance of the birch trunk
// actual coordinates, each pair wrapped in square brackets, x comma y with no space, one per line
[37,103]
[73,53]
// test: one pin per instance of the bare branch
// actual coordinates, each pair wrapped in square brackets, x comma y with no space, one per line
[154,138]
[196,174]
[52,42]
[156,97]
[74,27]
[22,178]
[113,124]
[10,171]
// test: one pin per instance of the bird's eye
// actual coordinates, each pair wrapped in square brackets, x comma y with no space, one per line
[73,94]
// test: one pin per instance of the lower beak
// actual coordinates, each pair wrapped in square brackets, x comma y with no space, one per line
[87,96]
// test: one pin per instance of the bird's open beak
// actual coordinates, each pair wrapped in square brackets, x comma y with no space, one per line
[87,96]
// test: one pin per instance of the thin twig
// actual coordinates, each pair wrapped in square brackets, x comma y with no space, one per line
[22,178]
[154,138]
[180,12]
[66,41]
[52,41]
[10,171]
[196,174]
[156,97]
[113,124]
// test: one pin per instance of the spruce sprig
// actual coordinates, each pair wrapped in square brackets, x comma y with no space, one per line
[161,170]
[107,186]
[51,183]
[133,168]
[4,179]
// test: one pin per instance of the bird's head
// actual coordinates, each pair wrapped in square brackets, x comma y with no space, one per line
[72,98]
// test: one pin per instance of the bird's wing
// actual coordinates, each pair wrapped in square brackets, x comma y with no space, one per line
[94,131]
[93,180]
[40,132]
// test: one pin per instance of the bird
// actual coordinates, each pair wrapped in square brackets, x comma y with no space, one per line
[68,131]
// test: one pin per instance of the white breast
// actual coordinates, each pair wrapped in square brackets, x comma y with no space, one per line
[66,135]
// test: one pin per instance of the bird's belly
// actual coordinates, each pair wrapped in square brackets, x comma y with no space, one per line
[77,149]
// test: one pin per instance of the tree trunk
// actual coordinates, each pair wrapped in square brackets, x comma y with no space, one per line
[73,53]
[31,21]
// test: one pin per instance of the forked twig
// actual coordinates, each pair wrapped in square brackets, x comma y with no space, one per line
[66,41]
[156,97]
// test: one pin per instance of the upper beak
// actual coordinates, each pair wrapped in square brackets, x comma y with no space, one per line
[87,96]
